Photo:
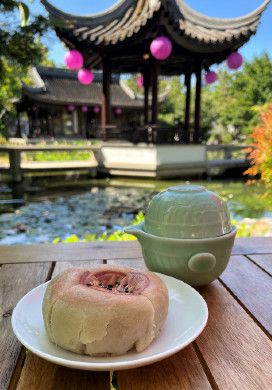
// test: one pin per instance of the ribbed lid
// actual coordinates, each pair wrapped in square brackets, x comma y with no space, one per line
[187,211]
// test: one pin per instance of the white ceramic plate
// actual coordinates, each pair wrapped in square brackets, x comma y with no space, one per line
[186,319]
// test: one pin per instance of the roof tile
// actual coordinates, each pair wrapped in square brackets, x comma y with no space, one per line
[62,87]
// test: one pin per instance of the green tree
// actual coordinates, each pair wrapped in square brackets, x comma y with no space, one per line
[237,96]
[20,47]
[209,113]
[230,108]
[172,108]
[20,42]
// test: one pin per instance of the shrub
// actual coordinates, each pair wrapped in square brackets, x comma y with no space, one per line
[58,156]
[3,140]
[118,235]
[261,152]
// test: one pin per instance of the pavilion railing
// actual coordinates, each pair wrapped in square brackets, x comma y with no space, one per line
[147,134]
[228,152]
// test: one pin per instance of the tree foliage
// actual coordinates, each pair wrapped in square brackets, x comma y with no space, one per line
[230,108]
[261,153]
[19,38]
[20,47]
[238,95]
[172,108]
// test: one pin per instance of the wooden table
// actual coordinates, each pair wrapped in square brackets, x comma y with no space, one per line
[233,352]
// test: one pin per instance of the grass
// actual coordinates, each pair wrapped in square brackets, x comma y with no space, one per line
[41,156]
[57,156]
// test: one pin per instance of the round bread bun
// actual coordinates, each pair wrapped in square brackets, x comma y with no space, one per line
[104,310]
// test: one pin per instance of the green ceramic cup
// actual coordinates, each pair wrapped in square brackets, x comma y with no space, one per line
[194,261]
[187,211]
[187,234]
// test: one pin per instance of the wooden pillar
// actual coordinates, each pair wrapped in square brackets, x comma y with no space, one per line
[53,114]
[106,100]
[146,95]
[15,165]
[30,123]
[18,127]
[155,75]
[82,118]
[187,106]
[50,122]
[37,123]
[197,103]
[47,122]
[62,124]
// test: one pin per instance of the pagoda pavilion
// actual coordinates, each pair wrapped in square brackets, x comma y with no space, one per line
[58,106]
[118,41]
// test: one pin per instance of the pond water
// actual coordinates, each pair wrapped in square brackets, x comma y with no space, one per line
[85,210]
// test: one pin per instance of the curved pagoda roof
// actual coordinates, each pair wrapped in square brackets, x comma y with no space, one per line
[61,87]
[124,33]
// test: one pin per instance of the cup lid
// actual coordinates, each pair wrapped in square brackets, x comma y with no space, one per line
[187,211]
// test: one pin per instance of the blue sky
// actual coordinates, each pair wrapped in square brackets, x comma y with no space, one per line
[227,8]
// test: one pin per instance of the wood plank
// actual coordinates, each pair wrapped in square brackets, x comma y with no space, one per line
[43,148]
[252,286]
[236,351]
[36,368]
[264,261]
[40,374]
[15,281]
[80,251]
[252,245]
[133,263]
[227,147]
[180,371]
[57,165]
[227,163]
[18,370]
[84,251]
[64,265]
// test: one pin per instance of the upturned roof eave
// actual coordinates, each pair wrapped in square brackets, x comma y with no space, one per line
[41,91]
[220,23]
[178,9]
[94,19]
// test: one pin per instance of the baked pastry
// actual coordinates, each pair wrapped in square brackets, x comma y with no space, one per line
[104,310]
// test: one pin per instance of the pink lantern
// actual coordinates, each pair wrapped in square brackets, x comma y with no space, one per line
[71,107]
[140,81]
[96,109]
[118,111]
[84,108]
[161,48]
[85,76]
[211,77]
[234,60]
[73,59]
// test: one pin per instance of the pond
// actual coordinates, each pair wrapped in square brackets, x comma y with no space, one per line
[95,209]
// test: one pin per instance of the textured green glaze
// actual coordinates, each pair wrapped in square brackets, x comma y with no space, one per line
[187,211]
[194,261]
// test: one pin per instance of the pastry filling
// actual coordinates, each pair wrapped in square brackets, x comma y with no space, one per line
[116,282]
